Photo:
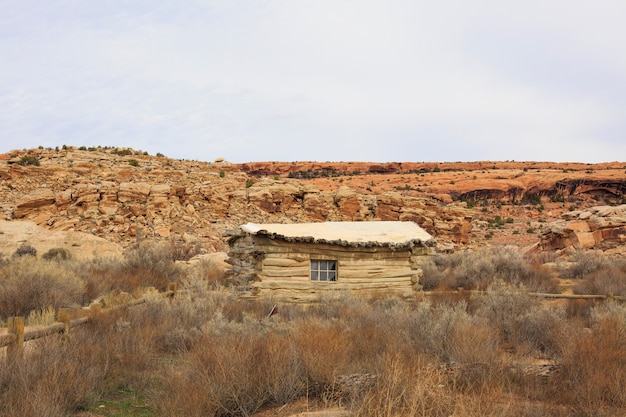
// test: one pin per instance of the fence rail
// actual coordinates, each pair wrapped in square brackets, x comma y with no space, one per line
[16,336]
[608,296]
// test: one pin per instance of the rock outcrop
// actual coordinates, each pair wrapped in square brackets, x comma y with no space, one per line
[120,194]
[600,227]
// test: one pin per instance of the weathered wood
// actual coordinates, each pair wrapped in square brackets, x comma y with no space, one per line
[379,276]
[7,339]
[298,257]
[55,328]
[285,272]
[284,262]
[273,246]
[364,263]
[15,326]
[64,315]
[316,286]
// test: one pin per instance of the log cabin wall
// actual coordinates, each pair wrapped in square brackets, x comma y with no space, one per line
[283,269]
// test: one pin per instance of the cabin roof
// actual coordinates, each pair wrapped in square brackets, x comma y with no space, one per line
[394,234]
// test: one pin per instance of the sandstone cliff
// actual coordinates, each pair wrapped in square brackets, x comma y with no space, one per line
[120,194]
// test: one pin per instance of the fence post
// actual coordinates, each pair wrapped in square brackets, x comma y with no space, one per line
[64,316]
[172,286]
[16,327]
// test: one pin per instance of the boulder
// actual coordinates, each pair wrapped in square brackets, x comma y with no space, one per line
[600,227]
[34,201]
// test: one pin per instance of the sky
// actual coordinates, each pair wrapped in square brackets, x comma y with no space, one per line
[318,80]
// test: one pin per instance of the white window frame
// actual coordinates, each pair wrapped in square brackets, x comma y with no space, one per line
[323,270]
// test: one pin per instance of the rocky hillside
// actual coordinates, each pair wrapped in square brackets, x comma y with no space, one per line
[120,194]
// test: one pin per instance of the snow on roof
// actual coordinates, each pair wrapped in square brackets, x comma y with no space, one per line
[375,233]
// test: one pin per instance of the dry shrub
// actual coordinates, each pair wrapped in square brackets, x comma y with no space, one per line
[233,371]
[406,386]
[58,378]
[25,250]
[428,328]
[236,310]
[477,270]
[58,254]
[145,265]
[501,305]
[210,272]
[182,250]
[585,263]
[149,265]
[610,277]
[285,373]
[592,374]
[32,284]
[474,351]
[325,351]
[100,276]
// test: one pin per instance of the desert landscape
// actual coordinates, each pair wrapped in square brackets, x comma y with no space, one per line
[519,309]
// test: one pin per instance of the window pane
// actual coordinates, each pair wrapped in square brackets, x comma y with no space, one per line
[323,270]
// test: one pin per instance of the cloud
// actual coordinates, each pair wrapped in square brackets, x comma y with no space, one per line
[317,79]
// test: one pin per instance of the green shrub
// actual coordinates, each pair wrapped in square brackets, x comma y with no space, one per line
[29,160]
[133,162]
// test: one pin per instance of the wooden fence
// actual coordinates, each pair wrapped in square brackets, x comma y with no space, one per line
[16,335]
[608,296]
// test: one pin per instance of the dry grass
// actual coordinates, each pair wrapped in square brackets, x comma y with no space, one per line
[478,270]
[207,353]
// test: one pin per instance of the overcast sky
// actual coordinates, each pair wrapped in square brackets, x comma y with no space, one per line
[325,80]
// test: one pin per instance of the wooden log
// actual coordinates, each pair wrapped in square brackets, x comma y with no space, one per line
[306,248]
[55,328]
[285,262]
[375,275]
[286,272]
[325,286]
[266,278]
[364,263]
[15,326]
[298,257]
[7,339]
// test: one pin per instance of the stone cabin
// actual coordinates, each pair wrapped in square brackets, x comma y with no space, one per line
[299,262]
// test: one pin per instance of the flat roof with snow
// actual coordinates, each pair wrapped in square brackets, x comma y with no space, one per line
[394,234]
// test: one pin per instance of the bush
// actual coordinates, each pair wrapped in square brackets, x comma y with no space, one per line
[29,160]
[31,284]
[149,265]
[25,249]
[585,263]
[58,254]
[592,375]
[184,250]
[477,270]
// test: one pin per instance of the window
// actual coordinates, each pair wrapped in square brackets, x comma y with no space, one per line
[323,270]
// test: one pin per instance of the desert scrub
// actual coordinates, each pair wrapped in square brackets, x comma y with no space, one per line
[149,264]
[29,283]
[25,250]
[477,270]
[29,160]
